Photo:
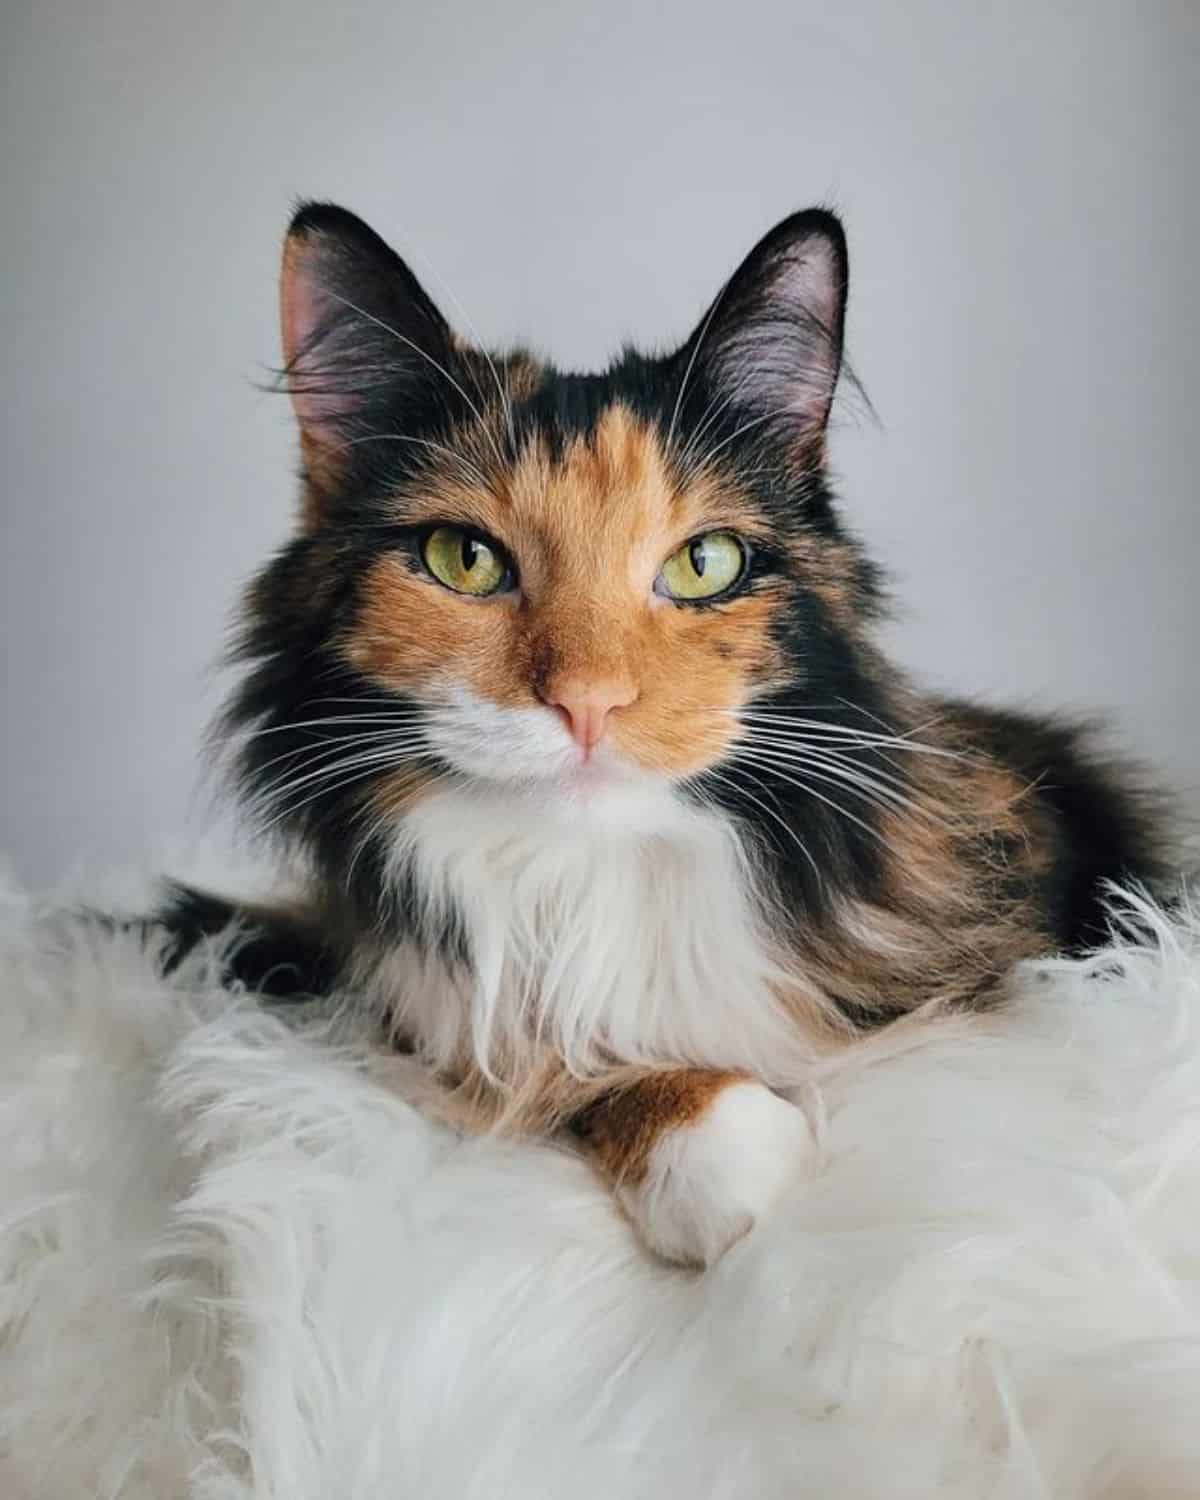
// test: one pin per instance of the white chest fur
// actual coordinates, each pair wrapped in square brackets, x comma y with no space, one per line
[624,924]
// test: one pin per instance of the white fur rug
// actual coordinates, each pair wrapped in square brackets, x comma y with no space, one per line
[233,1265]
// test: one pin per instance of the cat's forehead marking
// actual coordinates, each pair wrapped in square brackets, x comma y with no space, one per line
[613,487]
[612,480]
[606,488]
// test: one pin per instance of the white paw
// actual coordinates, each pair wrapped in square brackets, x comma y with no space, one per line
[708,1183]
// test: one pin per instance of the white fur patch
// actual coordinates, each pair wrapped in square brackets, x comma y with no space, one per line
[628,927]
[606,915]
[708,1183]
[486,741]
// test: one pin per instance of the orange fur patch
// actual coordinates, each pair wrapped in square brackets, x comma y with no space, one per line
[623,1128]
[399,791]
[589,533]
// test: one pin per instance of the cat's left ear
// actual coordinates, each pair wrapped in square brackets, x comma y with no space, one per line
[764,360]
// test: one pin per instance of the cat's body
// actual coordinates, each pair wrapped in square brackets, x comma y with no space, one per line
[569,692]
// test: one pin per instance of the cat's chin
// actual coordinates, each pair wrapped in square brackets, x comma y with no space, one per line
[594,777]
[588,796]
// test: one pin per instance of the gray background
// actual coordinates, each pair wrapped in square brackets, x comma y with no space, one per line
[1020,187]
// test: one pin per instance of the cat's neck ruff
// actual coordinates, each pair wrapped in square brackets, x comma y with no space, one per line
[623,924]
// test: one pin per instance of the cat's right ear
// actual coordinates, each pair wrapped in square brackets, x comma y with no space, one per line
[364,348]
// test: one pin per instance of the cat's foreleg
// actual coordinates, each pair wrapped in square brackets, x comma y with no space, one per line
[697,1158]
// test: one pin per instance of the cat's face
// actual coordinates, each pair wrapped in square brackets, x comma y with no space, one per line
[588,616]
[512,578]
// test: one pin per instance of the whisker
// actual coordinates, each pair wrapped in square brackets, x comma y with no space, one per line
[766,416]
[378,823]
[290,812]
[387,700]
[841,747]
[322,749]
[826,726]
[865,739]
[687,374]
[397,755]
[788,717]
[361,845]
[322,791]
[866,713]
[829,755]
[719,403]
[830,767]
[829,802]
[787,828]
[882,797]
[377,720]
[502,390]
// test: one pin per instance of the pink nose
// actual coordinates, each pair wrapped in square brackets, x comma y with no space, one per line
[585,704]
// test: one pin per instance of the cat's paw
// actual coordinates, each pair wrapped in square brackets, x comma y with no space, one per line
[708,1182]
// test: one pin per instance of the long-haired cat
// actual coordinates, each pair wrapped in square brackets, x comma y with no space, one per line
[567,688]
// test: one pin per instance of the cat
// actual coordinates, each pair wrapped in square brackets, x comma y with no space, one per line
[568,690]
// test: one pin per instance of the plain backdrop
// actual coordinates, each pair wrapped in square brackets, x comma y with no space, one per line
[1019,183]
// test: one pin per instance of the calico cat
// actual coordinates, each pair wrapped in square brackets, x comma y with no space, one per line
[568,690]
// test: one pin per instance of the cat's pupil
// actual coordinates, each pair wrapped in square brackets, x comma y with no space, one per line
[470,552]
[699,558]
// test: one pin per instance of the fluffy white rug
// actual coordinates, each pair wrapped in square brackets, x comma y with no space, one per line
[233,1264]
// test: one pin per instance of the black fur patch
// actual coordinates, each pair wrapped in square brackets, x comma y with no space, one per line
[271,954]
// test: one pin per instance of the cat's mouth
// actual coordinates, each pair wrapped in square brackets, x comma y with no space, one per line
[570,778]
[524,748]
[568,796]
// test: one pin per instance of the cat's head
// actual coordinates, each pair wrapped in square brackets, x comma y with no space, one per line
[577,589]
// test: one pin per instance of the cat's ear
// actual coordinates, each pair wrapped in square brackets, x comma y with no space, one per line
[362,343]
[764,360]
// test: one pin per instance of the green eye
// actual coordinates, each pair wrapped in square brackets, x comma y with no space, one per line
[465,561]
[704,567]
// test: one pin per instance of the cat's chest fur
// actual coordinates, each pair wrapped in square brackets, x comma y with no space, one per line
[633,937]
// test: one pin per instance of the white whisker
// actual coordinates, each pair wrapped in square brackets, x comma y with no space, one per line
[800,727]
[376,824]
[362,771]
[390,756]
[830,770]
[821,797]
[321,750]
[720,402]
[831,755]
[501,389]
[787,828]
[882,797]
[687,374]
[767,416]
[377,720]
